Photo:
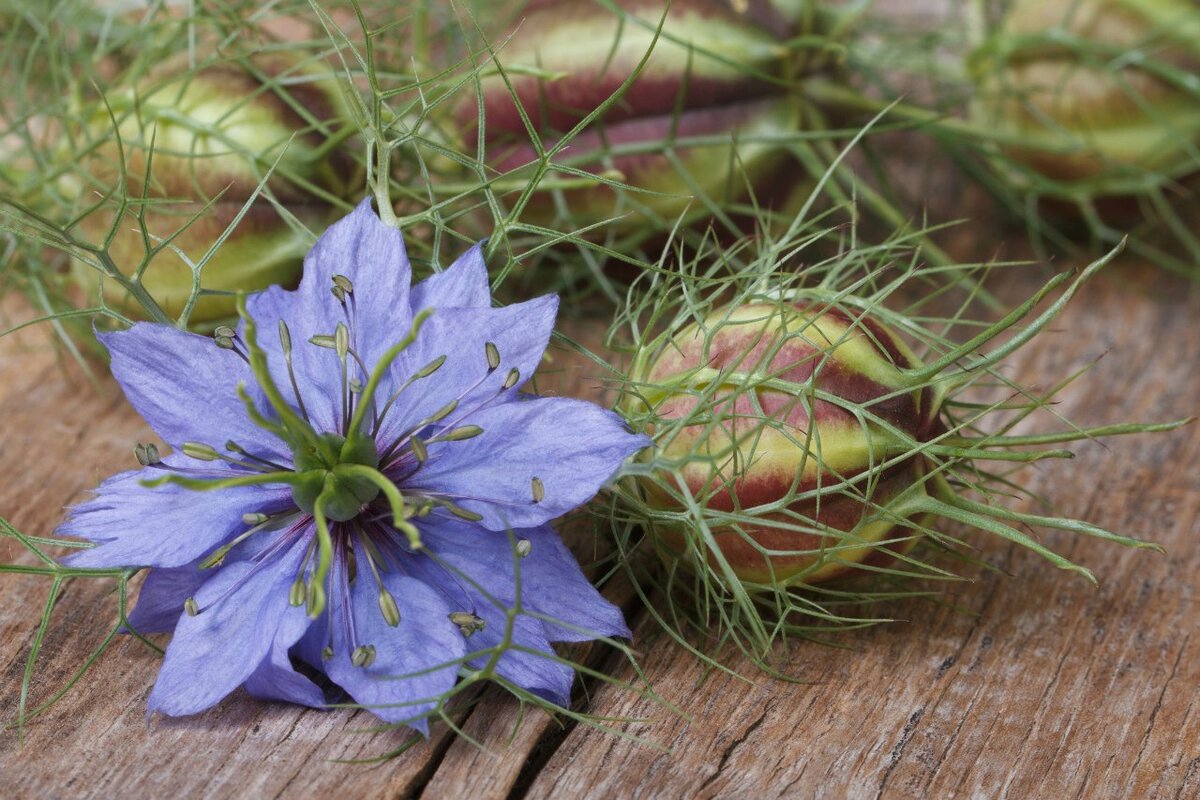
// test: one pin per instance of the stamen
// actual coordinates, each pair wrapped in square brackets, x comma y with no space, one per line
[524,547]
[344,284]
[254,518]
[458,434]
[285,342]
[201,452]
[493,355]
[363,656]
[538,489]
[459,511]
[387,603]
[298,593]
[418,449]
[467,622]
[190,607]
[326,653]
[146,454]
[388,607]
[234,447]
[514,375]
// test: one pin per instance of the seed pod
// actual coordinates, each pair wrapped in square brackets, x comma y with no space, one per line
[180,138]
[702,120]
[796,406]
[1103,94]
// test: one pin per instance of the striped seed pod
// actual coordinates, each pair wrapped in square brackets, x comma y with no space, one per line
[1103,95]
[180,139]
[801,414]
[701,122]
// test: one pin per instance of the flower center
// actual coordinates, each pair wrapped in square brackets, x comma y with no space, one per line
[327,466]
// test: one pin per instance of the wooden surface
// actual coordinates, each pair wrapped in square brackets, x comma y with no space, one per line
[1038,685]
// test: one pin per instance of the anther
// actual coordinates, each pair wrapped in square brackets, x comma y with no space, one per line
[285,339]
[443,412]
[524,546]
[254,518]
[388,607]
[467,622]
[223,342]
[341,340]
[460,512]
[537,489]
[146,454]
[356,386]
[321,340]
[361,655]
[419,450]
[298,594]
[203,452]
[326,653]
[190,607]
[430,368]
[493,355]
[343,283]
[459,434]
[225,332]
[514,375]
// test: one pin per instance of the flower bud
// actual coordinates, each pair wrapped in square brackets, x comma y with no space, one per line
[182,138]
[704,118]
[799,415]
[1101,93]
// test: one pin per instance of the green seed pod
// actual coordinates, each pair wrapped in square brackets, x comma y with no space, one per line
[701,122]
[1103,95]
[836,406]
[806,433]
[179,139]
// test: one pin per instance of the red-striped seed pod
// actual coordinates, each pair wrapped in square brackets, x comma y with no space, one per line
[702,120]
[800,414]
[180,139]
[1103,95]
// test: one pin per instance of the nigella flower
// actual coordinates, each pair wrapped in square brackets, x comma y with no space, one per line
[362,491]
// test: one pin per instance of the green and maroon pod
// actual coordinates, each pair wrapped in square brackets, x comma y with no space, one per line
[810,462]
[704,119]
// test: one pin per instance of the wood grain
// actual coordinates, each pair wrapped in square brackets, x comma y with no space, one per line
[1034,685]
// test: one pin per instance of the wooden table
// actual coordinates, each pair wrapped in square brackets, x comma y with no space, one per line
[1035,685]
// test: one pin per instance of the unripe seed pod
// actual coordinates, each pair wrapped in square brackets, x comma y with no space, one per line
[1102,92]
[796,405]
[186,138]
[717,76]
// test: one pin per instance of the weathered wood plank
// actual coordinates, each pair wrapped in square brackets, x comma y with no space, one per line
[1039,686]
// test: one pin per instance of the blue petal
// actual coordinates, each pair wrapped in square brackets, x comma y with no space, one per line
[520,333]
[552,584]
[571,446]
[464,284]
[537,671]
[186,387]
[373,257]
[164,526]
[416,661]
[160,602]
[275,679]
[242,608]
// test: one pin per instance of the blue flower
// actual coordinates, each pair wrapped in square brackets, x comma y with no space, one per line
[357,485]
